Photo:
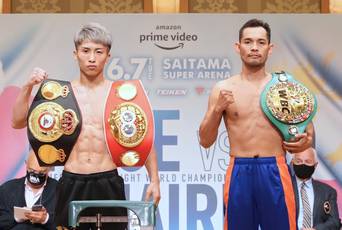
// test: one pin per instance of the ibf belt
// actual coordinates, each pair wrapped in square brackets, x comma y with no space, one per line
[129,126]
[289,105]
[54,122]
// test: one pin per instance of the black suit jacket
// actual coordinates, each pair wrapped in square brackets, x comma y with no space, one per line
[323,193]
[12,193]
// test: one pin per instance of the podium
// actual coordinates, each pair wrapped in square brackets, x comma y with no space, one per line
[145,211]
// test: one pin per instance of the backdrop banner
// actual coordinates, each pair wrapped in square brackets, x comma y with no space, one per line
[178,58]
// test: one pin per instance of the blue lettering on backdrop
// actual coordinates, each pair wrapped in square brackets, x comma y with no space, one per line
[208,154]
[161,140]
[174,206]
[195,214]
[204,216]
[224,146]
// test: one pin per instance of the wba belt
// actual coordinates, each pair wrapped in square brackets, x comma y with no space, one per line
[54,122]
[128,122]
[288,104]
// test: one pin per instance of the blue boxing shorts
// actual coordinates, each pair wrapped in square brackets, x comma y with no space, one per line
[258,192]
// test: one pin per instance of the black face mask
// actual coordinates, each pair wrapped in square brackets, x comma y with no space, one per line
[36,179]
[303,171]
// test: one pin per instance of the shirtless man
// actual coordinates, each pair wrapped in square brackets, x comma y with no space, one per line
[258,188]
[89,172]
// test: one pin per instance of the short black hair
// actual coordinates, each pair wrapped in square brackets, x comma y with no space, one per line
[256,23]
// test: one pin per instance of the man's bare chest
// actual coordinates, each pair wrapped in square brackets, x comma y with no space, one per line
[246,104]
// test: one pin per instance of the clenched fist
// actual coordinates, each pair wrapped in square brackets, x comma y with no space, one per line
[36,77]
[225,98]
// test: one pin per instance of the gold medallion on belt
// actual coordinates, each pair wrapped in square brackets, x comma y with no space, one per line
[52,89]
[289,102]
[49,154]
[128,124]
[49,121]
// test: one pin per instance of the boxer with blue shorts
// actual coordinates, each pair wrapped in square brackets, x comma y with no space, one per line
[258,190]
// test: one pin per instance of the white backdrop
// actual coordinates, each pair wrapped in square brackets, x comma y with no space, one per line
[178,58]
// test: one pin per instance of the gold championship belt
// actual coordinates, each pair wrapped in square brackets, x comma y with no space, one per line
[129,127]
[289,105]
[54,122]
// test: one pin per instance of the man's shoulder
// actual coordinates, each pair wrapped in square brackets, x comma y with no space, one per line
[324,186]
[12,183]
[75,82]
[227,83]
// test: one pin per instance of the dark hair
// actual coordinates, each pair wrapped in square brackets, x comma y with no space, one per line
[256,23]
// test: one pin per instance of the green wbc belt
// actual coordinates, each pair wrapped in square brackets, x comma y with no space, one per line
[54,122]
[288,104]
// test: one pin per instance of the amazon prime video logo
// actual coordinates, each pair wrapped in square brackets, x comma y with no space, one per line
[168,37]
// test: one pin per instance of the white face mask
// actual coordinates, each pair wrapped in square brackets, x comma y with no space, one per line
[36,179]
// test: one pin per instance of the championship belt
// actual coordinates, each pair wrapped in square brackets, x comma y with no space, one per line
[128,122]
[54,122]
[289,105]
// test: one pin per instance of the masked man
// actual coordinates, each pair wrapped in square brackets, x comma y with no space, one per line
[35,190]
[316,203]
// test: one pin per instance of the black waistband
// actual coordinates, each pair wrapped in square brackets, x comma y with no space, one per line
[77,176]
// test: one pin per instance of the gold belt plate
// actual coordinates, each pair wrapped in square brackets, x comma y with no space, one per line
[128,124]
[49,121]
[289,102]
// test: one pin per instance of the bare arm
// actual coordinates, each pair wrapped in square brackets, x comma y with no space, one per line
[219,100]
[21,106]
[152,169]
